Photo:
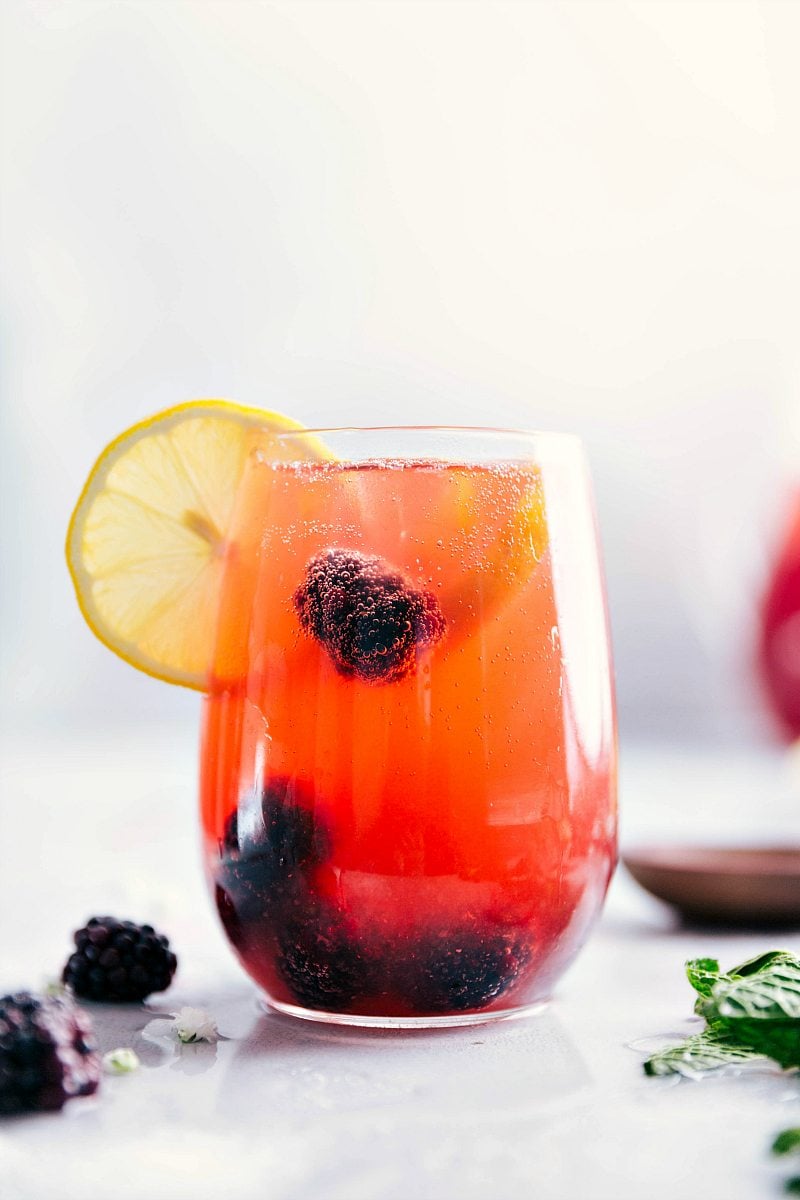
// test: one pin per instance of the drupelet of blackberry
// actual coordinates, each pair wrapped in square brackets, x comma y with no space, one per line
[452,973]
[371,620]
[321,964]
[119,961]
[47,1053]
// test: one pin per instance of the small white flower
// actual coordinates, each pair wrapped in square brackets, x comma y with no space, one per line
[195,1025]
[120,1061]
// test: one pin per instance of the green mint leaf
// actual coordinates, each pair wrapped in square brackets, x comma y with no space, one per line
[702,974]
[751,1012]
[757,1005]
[770,993]
[787,1142]
[753,965]
[779,1040]
[697,1055]
[792,1186]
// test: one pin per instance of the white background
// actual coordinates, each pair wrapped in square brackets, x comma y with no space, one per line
[549,215]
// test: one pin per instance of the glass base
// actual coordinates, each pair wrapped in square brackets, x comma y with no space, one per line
[450,1021]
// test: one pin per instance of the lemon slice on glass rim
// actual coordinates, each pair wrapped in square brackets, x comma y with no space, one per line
[145,545]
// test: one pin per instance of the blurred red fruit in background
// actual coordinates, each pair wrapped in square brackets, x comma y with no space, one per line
[779,649]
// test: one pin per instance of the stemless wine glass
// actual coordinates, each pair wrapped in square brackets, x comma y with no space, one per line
[409,751]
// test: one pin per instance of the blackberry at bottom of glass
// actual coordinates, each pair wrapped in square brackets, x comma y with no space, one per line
[311,959]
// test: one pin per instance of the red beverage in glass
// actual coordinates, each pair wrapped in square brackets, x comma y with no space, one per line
[408,764]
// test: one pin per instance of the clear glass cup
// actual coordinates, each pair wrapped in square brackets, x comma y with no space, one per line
[408,767]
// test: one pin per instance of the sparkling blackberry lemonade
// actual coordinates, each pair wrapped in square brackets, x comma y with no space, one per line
[408,753]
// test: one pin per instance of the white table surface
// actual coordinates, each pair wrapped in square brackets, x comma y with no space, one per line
[553,1107]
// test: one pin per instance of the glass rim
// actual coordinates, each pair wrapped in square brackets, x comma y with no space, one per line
[475,430]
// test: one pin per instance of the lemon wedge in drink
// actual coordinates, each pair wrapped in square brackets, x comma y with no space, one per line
[147,540]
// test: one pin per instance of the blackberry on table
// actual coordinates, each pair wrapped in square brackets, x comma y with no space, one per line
[119,961]
[320,963]
[367,615]
[47,1053]
[451,973]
